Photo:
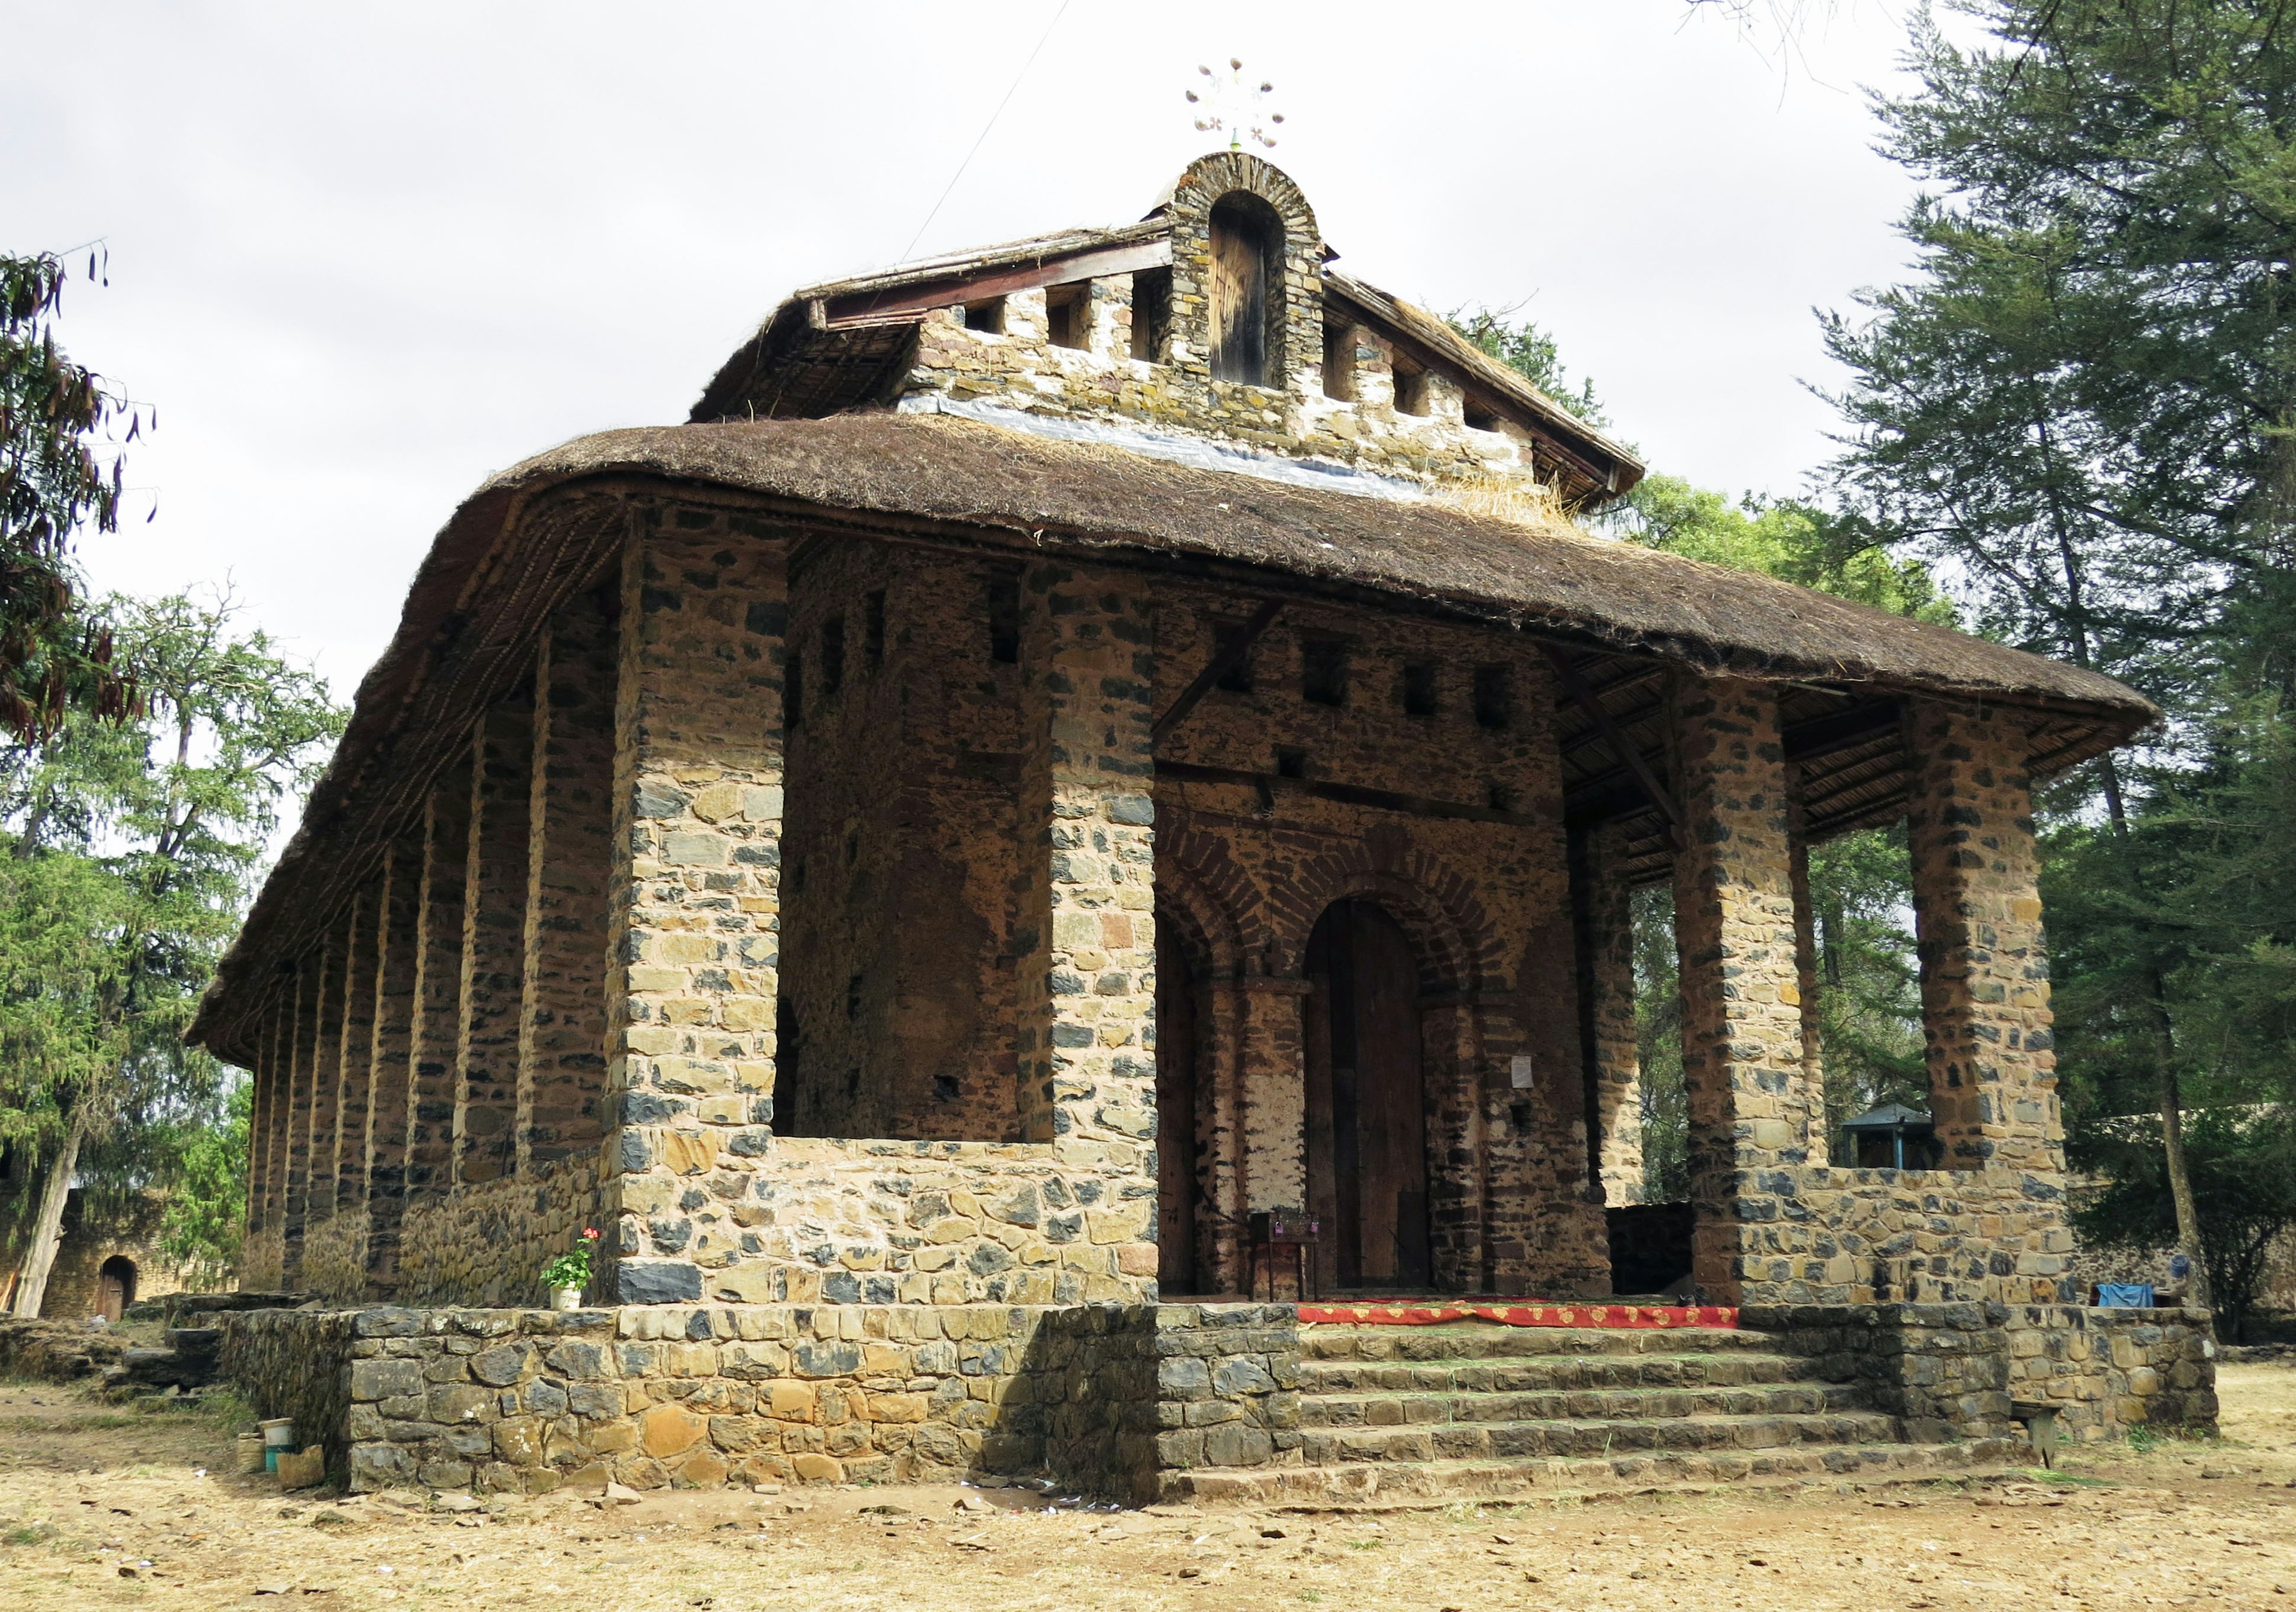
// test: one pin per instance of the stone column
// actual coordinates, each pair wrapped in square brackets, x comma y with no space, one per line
[1742,1038]
[694,900]
[561,1063]
[494,943]
[397,930]
[438,1006]
[1606,974]
[1275,1082]
[303,1050]
[327,1086]
[355,1058]
[279,1110]
[1812,1039]
[1977,913]
[1225,1010]
[1086,983]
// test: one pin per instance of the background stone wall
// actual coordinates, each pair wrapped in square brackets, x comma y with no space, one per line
[1835,1237]
[487,1242]
[296,1363]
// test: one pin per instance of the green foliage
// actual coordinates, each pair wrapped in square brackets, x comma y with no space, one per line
[52,481]
[2083,405]
[2244,1171]
[1532,353]
[127,853]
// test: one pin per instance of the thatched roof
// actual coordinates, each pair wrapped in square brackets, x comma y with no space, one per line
[537,533]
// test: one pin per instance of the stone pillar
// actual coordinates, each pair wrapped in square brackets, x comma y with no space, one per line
[438,1006]
[1087,654]
[1225,1010]
[279,1111]
[1086,983]
[1606,974]
[303,1039]
[561,1063]
[1741,1039]
[356,1057]
[397,936]
[1274,1093]
[693,900]
[494,943]
[1813,1038]
[326,1087]
[1977,913]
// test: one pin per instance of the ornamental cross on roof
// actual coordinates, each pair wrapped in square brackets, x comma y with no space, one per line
[1230,102]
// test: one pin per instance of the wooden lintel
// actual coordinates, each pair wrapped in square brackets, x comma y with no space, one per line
[1225,659]
[910,302]
[1348,794]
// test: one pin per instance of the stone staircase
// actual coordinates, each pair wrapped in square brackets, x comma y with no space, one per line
[1471,1409]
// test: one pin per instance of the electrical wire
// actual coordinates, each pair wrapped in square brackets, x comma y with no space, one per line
[910,249]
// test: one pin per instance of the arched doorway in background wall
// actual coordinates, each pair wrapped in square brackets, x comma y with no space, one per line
[1178,1183]
[115,1287]
[1366,1101]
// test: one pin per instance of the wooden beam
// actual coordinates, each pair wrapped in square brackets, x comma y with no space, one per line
[903,304]
[1629,756]
[1350,793]
[1224,660]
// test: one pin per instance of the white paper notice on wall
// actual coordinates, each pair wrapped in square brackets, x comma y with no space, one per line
[1520,1069]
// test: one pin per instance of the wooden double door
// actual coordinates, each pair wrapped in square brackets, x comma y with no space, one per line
[1366,1101]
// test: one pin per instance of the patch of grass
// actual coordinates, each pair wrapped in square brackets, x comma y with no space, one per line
[1363,1544]
[2068,1480]
[2143,1440]
[27,1534]
[1311,1595]
[1464,1514]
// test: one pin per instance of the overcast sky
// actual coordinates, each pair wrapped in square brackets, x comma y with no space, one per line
[363,255]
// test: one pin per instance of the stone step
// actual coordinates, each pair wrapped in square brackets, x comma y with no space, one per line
[1536,1373]
[1488,1341]
[1391,1410]
[1433,1482]
[1578,1438]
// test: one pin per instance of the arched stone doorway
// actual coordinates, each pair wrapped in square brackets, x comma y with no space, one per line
[115,1287]
[1366,1150]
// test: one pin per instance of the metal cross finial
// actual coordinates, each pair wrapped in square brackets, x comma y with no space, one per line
[1229,102]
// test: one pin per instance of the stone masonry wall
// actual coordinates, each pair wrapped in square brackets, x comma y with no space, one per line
[486,1243]
[1105,1397]
[1836,1236]
[1959,1371]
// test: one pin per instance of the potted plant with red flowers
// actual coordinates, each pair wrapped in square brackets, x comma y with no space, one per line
[565,1277]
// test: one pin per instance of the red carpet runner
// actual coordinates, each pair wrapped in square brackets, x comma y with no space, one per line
[1516,1314]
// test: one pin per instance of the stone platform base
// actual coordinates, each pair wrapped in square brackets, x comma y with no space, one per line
[1215,1402]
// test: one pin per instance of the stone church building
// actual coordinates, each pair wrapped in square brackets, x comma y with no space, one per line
[1072,748]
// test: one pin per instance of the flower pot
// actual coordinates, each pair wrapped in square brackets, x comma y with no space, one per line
[565,1298]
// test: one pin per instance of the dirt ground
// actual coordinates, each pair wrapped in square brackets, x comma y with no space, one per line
[105,1508]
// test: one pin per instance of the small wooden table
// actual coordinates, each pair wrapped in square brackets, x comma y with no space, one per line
[1274,1229]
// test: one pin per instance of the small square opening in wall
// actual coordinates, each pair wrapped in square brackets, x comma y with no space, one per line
[1478,415]
[1410,388]
[1004,617]
[986,315]
[1418,689]
[1151,313]
[1502,798]
[1237,678]
[1323,671]
[1068,310]
[1339,361]
[1494,696]
[1290,763]
[832,654]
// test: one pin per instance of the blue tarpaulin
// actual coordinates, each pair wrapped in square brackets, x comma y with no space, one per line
[2125,1295]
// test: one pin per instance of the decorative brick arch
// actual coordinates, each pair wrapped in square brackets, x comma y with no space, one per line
[1217,910]
[1449,929]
